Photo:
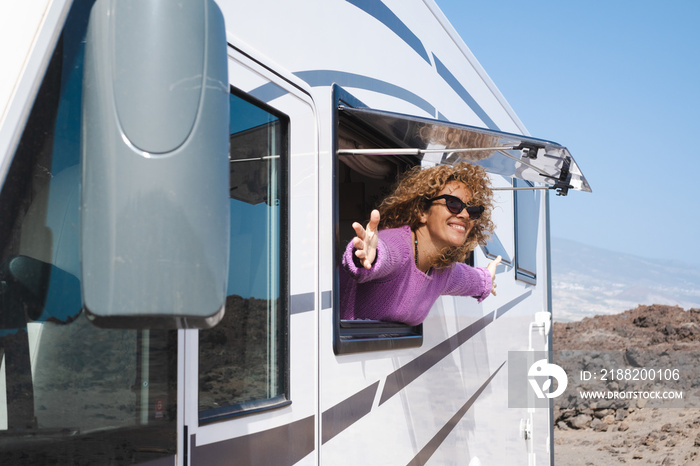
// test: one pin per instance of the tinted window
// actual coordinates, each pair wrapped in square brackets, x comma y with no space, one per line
[527,215]
[243,361]
[72,393]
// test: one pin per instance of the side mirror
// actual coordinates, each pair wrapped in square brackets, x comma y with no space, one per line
[155,182]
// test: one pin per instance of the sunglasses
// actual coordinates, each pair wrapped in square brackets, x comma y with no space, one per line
[455,206]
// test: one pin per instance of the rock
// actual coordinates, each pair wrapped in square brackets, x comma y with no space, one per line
[651,337]
[567,413]
[651,439]
[580,422]
[604,404]
[598,425]
[620,414]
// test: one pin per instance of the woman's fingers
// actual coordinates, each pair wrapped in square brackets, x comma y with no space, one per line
[492,266]
[365,242]
[492,270]
[359,231]
[373,221]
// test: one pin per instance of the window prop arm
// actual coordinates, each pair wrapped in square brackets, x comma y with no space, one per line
[529,151]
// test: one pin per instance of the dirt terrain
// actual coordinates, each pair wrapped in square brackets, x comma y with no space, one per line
[633,429]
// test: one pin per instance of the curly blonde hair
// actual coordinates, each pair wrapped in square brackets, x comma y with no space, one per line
[409,201]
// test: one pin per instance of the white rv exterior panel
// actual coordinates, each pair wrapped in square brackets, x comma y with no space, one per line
[443,402]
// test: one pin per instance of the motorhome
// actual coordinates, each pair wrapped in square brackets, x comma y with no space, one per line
[178,180]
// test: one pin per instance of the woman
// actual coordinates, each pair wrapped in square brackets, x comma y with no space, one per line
[429,224]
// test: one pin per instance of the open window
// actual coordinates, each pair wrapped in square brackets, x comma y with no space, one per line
[362,181]
[373,147]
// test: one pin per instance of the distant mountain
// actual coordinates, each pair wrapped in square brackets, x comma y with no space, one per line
[588,281]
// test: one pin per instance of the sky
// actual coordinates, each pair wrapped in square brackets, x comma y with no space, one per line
[618,83]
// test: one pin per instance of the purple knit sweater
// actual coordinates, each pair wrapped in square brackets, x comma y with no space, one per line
[394,290]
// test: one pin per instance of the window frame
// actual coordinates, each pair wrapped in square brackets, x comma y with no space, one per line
[355,336]
[283,399]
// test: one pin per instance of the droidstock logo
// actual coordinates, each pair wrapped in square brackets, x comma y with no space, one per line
[541,369]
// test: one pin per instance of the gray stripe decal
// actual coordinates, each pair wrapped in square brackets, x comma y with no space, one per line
[352,409]
[342,78]
[285,445]
[431,447]
[384,15]
[347,412]
[463,93]
[400,378]
[304,302]
[268,92]
[281,446]
[315,78]
[409,372]
[326,299]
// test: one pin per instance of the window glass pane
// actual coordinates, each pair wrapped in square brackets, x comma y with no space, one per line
[70,393]
[242,360]
[527,213]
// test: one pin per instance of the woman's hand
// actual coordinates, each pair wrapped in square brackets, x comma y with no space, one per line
[492,270]
[366,240]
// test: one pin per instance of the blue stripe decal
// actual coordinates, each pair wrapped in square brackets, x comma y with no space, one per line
[268,92]
[315,78]
[462,92]
[344,79]
[384,15]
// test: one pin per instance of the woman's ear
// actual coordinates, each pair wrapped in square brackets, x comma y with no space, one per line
[423,217]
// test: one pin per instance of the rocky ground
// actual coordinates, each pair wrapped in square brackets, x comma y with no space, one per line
[633,430]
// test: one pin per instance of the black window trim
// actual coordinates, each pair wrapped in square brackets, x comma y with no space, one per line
[284,399]
[355,336]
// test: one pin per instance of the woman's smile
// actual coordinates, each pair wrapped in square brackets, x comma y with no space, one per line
[443,228]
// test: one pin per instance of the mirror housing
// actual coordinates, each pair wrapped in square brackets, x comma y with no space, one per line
[155,181]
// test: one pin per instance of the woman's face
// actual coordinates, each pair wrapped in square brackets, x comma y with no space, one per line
[445,228]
